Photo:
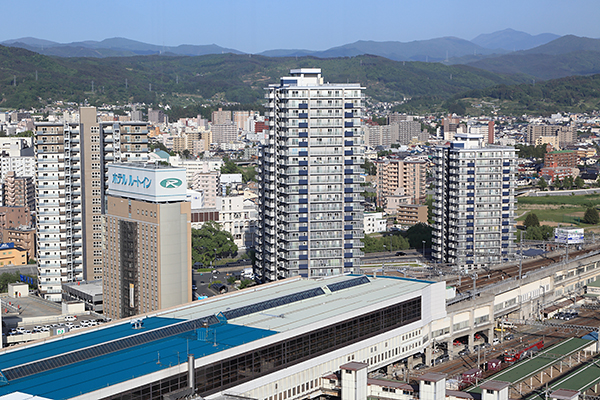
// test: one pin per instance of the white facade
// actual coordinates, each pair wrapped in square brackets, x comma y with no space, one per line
[13,146]
[144,183]
[474,203]
[193,167]
[375,222]
[237,216]
[22,165]
[311,217]
[61,192]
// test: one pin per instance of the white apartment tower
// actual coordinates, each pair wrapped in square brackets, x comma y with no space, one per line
[72,163]
[474,203]
[310,212]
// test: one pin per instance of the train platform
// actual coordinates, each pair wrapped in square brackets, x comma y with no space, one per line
[543,360]
[582,379]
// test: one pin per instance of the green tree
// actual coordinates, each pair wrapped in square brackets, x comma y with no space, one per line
[542,184]
[245,283]
[531,220]
[211,242]
[591,216]
[558,184]
[369,167]
[579,183]
[417,233]
[229,167]
[249,174]
[542,232]
[429,204]
[369,196]
[231,279]
[568,182]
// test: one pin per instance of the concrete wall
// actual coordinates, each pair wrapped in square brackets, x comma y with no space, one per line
[175,254]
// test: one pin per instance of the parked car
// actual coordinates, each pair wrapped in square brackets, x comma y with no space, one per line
[419,366]
[509,337]
[464,352]
[70,318]
[442,359]
[400,253]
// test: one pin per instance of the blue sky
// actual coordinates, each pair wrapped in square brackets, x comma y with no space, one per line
[258,25]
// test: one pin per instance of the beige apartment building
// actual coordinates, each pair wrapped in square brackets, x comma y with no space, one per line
[565,134]
[147,240]
[18,191]
[72,160]
[400,178]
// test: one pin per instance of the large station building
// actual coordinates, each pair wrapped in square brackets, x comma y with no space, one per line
[273,342]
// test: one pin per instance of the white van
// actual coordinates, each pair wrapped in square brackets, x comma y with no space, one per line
[507,324]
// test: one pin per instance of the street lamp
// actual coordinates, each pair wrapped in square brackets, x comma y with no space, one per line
[423,248]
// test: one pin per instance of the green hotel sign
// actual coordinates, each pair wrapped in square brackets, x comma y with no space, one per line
[171,183]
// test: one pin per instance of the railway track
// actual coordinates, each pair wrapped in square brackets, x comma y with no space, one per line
[550,335]
[498,273]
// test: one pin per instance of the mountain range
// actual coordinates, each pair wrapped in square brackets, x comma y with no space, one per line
[437,49]
[122,70]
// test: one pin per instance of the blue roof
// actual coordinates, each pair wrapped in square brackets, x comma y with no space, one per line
[162,154]
[99,372]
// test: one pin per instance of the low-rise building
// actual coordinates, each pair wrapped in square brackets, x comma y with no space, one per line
[12,255]
[374,222]
[411,214]
[21,236]
[89,292]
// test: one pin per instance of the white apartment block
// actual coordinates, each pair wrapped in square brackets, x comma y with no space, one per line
[193,167]
[310,212]
[22,165]
[375,222]
[236,215]
[208,185]
[239,217]
[474,203]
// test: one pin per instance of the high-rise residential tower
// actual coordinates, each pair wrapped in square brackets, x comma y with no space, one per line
[310,212]
[474,203]
[72,161]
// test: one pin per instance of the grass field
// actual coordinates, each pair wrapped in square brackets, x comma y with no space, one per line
[554,210]
[586,200]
